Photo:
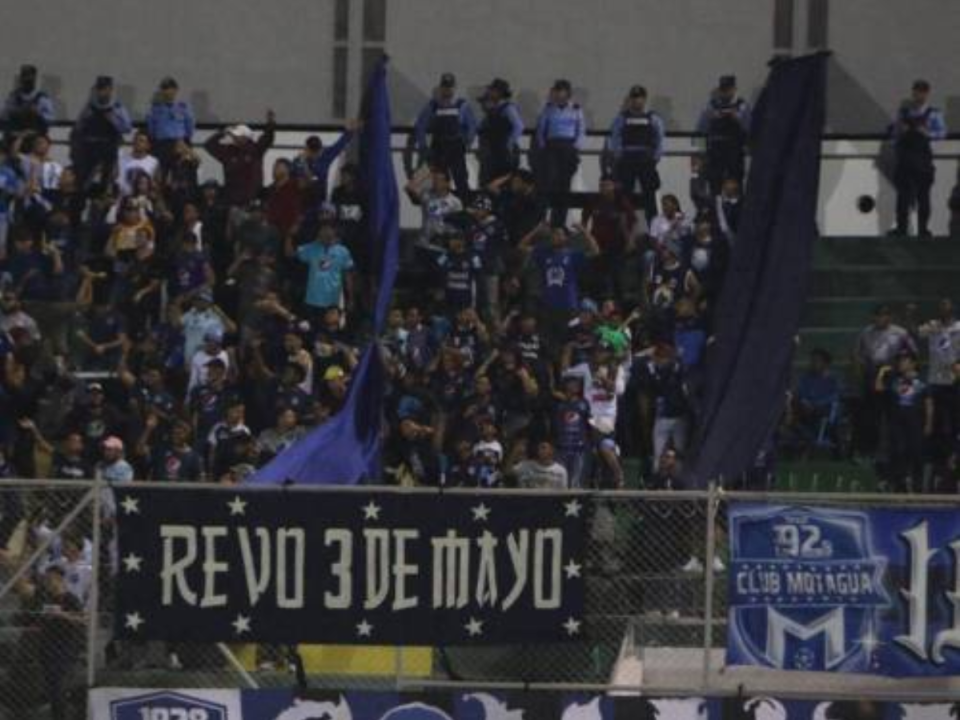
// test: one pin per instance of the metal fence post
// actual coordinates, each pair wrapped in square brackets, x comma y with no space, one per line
[93,609]
[708,574]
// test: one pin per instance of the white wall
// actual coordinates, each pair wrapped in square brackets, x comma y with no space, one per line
[232,58]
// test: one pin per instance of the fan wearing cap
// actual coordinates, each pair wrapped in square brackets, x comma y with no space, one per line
[561,129]
[487,237]
[916,125]
[636,141]
[726,123]
[203,318]
[459,268]
[112,466]
[312,166]
[241,153]
[27,107]
[98,133]
[329,268]
[499,132]
[910,419]
[445,130]
[169,120]
[211,349]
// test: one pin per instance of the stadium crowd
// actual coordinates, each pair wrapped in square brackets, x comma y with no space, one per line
[216,323]
[156,327]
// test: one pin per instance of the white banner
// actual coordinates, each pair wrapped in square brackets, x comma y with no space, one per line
[152,704]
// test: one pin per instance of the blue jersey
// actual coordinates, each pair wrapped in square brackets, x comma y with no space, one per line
[327,266]
[572,425]
[559,274]
[459,279]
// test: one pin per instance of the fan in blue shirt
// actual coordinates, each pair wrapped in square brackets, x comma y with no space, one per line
[329,263]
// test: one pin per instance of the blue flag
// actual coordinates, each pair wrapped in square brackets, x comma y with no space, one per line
[346,449]
[764,290]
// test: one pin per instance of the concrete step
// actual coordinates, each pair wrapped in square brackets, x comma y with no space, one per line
[858,311]
[893,252]
[921,282]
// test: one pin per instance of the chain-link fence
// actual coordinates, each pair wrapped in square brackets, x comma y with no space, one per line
[655,614]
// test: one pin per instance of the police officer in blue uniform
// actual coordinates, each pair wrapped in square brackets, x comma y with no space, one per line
[169,121]
[636,141]
[27,109]
[559,137]
[726,123]
[449,123]
[499,132]
[916,124]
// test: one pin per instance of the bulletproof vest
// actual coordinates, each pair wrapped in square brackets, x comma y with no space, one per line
[445,123]
[20,120]
[912,141]
[726,129]
[638,130]
[98,128]
[497,128]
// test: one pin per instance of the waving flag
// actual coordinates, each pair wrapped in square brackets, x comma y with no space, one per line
[346,449]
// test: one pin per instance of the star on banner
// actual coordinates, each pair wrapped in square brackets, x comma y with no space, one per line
[371,511]
[238,506]
[481,513]
[573,508]
[572,569]
[130,505]
[131,563]
[134,621]
[572,626]
[364,629]
[474,627]
[241,624]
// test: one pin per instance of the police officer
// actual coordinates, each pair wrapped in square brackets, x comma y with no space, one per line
[726,123]
[450,124]
[636,141]
[559,136]
[168,121]
[28,109]
[500,131]
[98,133]
[916,124]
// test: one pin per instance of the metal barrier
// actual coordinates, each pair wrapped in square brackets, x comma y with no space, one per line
[655,615]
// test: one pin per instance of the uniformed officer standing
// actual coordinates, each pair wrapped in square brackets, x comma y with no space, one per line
[636,140]
[98,133]
[500,131]
[916,124]
[450,124]
[169,121]
[27,109]
[726,123]
[559,136]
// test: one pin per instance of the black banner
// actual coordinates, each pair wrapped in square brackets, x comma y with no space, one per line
[289,566]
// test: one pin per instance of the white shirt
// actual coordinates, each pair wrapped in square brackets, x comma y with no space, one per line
[603,401]
[198,366]
[196,324]
[128,165]
[943,342]
[534,475]
[663,228]
[435,209]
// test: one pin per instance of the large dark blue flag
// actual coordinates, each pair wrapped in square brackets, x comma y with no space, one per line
[346,449]
[759,308]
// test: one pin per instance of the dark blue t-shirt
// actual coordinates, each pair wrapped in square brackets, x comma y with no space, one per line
[572,423]
[559,275]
